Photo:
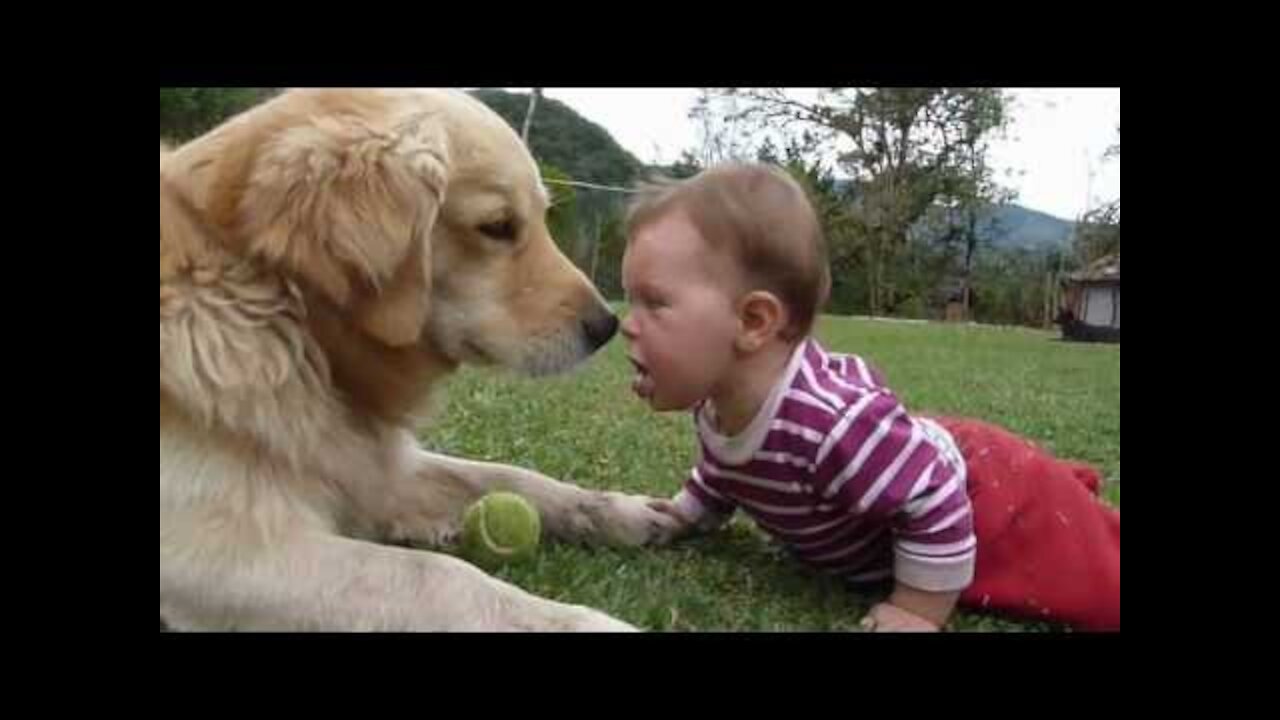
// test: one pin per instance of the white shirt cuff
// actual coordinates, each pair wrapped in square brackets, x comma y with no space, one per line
[696,513]
[934,575]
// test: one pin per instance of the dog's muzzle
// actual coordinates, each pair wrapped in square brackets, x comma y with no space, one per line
[600,330]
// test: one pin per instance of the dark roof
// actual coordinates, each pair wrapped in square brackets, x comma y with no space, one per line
[1104,269]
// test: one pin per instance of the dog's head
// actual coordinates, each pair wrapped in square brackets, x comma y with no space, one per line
[419,216]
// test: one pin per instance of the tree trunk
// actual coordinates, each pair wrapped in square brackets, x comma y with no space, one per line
[595,255]
[1050,298]
[873,280]
[970,245]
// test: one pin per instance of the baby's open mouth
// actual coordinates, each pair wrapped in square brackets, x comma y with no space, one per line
[642,383]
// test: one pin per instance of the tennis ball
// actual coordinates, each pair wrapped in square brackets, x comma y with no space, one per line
[500,528]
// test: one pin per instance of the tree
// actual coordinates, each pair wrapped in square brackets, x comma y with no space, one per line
[721,132]
[188,112]
[832,203]
[607,264]
[1098,230]
[904,148]
[969,194]
[562,216]
[686,167]
[558,135]
[581,220]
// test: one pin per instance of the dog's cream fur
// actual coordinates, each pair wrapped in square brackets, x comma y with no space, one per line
[325,259]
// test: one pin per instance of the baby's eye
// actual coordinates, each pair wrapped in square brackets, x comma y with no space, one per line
[647,301]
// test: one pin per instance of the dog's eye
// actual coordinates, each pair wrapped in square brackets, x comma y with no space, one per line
[501,230]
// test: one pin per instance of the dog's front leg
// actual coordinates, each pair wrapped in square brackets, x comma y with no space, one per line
[568,513]
[432,490]
[321,582]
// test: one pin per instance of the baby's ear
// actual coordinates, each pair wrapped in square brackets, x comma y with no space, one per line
[761,317]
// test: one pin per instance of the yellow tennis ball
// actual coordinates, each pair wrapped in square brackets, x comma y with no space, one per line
[500,528]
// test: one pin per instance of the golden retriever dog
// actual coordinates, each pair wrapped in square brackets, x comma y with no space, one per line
[326,258]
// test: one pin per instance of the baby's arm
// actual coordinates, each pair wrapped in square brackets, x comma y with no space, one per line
[927,504]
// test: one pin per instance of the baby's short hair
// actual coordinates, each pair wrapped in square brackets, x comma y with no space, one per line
[763,219]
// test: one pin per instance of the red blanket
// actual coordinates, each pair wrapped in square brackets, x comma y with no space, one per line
[1048,548]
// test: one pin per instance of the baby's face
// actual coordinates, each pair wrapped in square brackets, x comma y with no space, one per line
[681,325]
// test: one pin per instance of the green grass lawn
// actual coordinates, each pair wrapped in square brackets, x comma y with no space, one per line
[587,428]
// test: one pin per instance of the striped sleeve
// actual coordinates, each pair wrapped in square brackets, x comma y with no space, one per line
[883,466]
[935,548]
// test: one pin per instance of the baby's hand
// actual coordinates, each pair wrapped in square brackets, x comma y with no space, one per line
[670,509]
[663,505]
[891,618]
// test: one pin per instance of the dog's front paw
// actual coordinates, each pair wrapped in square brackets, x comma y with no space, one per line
[629,520]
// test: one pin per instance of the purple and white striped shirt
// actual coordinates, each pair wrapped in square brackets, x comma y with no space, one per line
[835,469]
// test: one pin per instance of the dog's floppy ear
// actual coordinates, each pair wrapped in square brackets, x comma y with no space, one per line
[349,208]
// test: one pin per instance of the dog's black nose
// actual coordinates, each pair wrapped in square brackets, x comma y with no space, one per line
[600,329]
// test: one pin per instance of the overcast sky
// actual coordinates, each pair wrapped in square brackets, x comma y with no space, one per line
[1055,141]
